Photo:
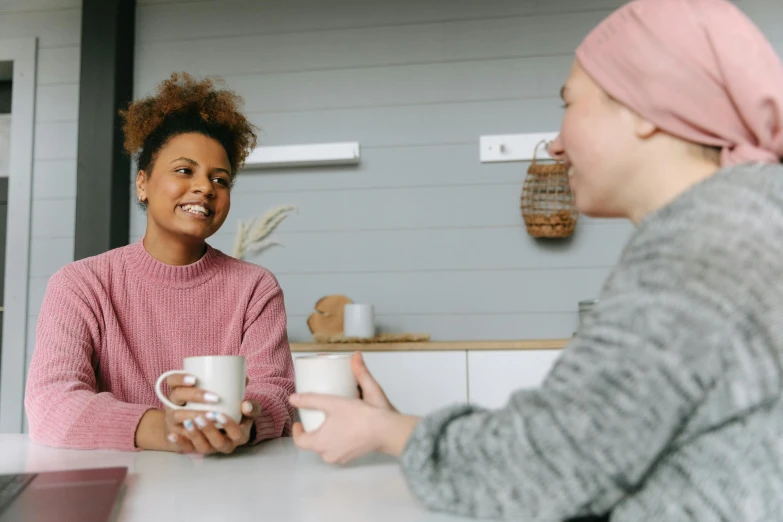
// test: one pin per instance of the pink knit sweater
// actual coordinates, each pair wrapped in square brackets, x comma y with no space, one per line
[111,324]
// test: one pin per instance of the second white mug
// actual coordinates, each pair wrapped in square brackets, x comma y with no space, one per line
[329,374]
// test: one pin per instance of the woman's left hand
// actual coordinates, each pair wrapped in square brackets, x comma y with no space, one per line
[354,427]
[203,430]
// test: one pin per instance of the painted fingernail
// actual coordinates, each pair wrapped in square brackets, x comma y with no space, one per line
[189,425]
[190,380]
[211,415]
[221,418]
[201,422]
[172,437]
[218,426]
[211,397]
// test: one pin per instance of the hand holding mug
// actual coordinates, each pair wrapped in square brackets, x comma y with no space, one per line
[211,432]
[204,410]
[182,390]
[336,424]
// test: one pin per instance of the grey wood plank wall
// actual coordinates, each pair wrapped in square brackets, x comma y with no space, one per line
[416,83]
[421,229]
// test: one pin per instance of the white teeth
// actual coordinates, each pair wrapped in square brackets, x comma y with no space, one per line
[195,209]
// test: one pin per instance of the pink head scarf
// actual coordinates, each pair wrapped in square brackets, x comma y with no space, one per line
[697,69]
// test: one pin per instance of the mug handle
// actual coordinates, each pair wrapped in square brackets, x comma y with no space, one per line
[165,400]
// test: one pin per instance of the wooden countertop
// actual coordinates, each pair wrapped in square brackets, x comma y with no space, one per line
[528,344]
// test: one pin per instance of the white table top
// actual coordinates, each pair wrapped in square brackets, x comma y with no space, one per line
[273,482]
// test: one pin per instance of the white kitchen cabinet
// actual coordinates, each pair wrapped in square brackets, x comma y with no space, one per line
[494,375]
[419,382]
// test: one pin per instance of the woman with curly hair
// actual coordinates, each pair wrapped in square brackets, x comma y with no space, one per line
[111,324]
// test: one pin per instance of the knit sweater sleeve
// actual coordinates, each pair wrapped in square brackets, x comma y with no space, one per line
[270,367]
[63,406]
[611,406]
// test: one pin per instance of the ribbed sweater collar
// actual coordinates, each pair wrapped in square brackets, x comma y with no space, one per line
[142,264]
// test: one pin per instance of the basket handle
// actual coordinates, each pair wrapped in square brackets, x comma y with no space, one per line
[535,151]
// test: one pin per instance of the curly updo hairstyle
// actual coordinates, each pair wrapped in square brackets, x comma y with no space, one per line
[183,105]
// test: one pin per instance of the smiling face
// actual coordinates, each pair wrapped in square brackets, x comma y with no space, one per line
[187,192]
[599,141]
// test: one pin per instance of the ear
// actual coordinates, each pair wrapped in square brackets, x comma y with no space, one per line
[141,186]
[643,128]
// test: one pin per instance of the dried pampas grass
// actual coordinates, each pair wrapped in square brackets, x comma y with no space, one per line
[252,234]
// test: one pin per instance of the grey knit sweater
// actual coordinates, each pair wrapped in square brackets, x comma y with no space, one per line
[666,406]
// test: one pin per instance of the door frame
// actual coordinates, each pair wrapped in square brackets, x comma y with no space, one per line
[21,51]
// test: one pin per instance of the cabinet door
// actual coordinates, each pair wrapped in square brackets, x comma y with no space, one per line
[419,382]
[494,375]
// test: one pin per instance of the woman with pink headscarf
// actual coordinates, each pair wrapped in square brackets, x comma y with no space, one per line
[668,403]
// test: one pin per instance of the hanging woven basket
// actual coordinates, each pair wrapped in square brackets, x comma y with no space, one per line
[547,201]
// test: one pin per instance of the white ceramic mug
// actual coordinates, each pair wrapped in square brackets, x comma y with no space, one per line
[359,321]
[323,373]
[223,375]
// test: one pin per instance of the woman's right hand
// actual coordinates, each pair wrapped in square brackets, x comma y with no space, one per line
[182,389]
[354,427]
[371,391]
